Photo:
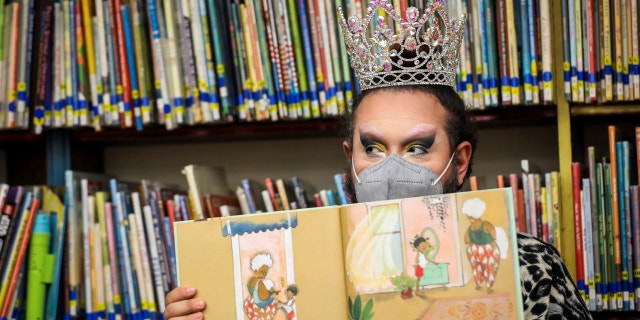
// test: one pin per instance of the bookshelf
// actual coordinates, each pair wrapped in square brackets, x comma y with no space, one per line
[133,154]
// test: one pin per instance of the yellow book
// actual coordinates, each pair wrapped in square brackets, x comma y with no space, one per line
[398,259]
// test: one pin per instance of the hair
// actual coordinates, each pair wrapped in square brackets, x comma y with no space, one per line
[417,241]
[459,125]
[261,259]
[474,208]
[293,288]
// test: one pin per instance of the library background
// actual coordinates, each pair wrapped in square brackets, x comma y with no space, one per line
[112,104]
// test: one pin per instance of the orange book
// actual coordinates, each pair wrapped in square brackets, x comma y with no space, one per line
[473,183]
[522,222]
[273,194]
[500,181]
[615,214]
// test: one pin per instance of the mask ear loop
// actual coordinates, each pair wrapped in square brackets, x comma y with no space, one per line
[443,172]
[353,168]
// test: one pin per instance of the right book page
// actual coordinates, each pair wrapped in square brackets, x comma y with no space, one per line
[450,256]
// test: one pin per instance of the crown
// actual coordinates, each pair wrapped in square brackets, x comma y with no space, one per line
[423,49]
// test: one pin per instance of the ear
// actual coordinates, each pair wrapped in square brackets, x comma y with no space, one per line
[463,160]
[346,149]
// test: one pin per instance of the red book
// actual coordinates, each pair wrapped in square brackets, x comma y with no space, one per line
[577,223]
[22,251]
[513,183]
[273,194]
[215,201]
[170,213]
[522,221]
[126,119]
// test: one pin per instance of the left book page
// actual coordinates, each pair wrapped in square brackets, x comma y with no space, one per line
[282,265]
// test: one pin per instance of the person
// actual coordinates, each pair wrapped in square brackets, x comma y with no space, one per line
[261,302]
[288,305]
[409,134]
[419,245]
[486,244]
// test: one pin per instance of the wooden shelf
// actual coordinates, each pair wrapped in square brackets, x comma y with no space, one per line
[18,136]
[213,132]
[606,110]
[492,117]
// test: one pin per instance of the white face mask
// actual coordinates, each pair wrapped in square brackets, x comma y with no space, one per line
[396,178]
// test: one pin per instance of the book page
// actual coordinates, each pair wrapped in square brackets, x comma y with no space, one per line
[449,256]
[282,265]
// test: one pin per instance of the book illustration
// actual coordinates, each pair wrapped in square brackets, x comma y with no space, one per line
[447,255]
[264,265]
[413,258]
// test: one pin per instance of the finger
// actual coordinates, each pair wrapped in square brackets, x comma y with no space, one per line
[190,308]
[180,293]
[194,316]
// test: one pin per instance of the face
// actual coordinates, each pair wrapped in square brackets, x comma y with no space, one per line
[262,272]
[410,125]
[422,246]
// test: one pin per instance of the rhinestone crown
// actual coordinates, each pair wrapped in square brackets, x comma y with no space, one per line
[423,50]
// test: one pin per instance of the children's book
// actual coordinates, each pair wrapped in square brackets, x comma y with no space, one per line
[451,256]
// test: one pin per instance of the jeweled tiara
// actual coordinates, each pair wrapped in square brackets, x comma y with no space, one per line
[423,49]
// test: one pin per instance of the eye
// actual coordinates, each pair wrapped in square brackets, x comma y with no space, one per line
[417,149]
[375,149]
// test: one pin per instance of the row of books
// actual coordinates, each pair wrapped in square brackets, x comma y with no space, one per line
[606,211]
[132,64]
[607,224]
[209,191]
[601,50]
[507,52]
[180,62]
[536,197]
[109,243]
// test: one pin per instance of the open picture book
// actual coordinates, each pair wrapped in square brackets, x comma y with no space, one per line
[451,256]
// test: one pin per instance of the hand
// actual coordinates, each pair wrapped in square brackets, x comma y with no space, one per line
[180,304]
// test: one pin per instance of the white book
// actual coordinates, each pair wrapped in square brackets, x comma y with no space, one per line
[202,180]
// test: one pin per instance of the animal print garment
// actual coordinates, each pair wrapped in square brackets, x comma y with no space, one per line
[548,292]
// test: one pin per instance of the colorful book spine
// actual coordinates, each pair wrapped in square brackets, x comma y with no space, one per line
[577,212]
[141,56]
[617,47]
[588,244]
[129,46]
[615,213]
[634,194]
[83,90]
[297,47]
[216,28]
[160,83]
[172,60]
[513,53]
[214,96]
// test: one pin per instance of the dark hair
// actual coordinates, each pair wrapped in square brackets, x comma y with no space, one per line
[293,288]
[459,126]
[417,241]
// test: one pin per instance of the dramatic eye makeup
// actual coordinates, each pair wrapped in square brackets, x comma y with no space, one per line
[419,146]
[371,146]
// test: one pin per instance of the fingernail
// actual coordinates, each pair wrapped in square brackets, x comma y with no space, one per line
[199,303]
[191,290]
[198,315]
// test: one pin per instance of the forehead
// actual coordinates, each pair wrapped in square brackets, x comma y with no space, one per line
[392,106]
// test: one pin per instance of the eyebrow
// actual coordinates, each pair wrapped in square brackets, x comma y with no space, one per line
[425,133]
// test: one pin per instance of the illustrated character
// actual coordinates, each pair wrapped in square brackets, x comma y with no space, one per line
[486,244]
[288,305]
[261,303]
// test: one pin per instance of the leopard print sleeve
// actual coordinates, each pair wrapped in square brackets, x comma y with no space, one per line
[548,292]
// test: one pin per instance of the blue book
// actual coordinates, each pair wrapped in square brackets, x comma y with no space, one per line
[623,235]
[131,60]
[340,188]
